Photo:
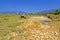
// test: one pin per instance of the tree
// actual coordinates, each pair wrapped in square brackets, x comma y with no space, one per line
[57,12]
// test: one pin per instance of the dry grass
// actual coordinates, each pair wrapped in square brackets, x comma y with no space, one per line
[32,28]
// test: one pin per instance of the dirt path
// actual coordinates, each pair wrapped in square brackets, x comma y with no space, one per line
[39,20]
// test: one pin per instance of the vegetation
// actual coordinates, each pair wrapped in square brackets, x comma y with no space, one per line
[57,12]
[30,26]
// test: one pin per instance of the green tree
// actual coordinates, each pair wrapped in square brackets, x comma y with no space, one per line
[57,12]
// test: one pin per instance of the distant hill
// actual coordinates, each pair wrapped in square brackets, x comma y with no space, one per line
[22,12]
[12,12]
[46,11]
[8,12]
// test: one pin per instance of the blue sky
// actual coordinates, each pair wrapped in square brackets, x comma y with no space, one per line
[28,5]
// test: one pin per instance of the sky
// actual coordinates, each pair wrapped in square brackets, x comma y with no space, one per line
[28,5]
